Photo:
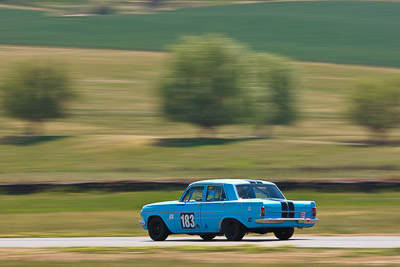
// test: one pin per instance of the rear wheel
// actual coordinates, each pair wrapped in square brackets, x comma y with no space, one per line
[158,231]
[233,230]
[284,233]
[208,237]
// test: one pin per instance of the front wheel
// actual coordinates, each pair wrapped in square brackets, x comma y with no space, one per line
[284,233]
[233,230]
[158,231]
[208,237]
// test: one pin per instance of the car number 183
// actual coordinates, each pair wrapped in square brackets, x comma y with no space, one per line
[187,220]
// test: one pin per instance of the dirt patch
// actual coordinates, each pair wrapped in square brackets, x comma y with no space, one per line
[330,78]
[375,142]
[351,67]
[24,7]
[300,256]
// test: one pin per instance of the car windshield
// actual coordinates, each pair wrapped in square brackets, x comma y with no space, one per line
[259,191]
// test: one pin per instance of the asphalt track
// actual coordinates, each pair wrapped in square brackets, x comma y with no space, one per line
[267,241]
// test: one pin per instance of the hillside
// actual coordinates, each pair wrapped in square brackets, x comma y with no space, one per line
[116,130]
[340,32]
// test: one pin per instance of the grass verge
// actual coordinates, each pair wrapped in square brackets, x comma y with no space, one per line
[55,214]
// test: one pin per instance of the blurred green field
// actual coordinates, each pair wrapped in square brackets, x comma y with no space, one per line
[116,130]
[55,214]
[324,31]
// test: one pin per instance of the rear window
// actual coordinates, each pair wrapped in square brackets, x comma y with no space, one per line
[215,193]
[259,191]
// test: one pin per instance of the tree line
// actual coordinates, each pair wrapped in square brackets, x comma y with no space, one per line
[210,81]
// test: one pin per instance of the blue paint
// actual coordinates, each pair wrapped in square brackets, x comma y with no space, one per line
[205,204]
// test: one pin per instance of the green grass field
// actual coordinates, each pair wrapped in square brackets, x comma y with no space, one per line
[116,130]
[332,31]
[117,214]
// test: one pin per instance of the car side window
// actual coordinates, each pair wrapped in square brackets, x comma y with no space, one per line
[187,195]
[210,193]
[215,193]
[197,194]
[243,191]
[220,194]
[194,194]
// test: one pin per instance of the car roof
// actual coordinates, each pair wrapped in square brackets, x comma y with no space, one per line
[230,181]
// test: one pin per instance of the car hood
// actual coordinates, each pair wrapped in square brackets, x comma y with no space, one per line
[163,203]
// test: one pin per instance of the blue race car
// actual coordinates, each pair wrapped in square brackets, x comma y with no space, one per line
[228,207]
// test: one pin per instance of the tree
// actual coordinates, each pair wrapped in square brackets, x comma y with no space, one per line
[204,83]
[36,92]
[272,85]
[376,106]
[155,3]
[103,7]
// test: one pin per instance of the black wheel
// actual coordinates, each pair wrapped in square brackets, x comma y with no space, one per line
[208,237]
[158,231]
[284,233]
[233,230]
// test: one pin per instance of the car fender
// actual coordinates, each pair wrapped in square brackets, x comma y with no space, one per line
[169,223]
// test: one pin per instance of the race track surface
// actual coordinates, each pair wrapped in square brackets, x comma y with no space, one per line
[267,241]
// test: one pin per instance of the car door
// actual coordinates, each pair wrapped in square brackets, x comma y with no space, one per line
[213,208]
[187,217]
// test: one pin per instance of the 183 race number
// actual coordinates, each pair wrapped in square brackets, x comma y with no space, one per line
[187,220]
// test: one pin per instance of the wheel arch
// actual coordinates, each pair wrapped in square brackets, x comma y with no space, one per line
[221,223]
[151,217]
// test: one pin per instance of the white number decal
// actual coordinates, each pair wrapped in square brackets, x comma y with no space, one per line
[191,217]
[187,220]
[187,223]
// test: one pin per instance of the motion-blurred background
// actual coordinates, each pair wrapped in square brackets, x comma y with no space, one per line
[189,90]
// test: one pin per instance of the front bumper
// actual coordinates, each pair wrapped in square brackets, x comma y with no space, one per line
[142,222]
[282,220]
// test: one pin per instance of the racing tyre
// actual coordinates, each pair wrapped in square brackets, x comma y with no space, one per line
[233,230]
[284,233]
[158,231]
[208,237]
